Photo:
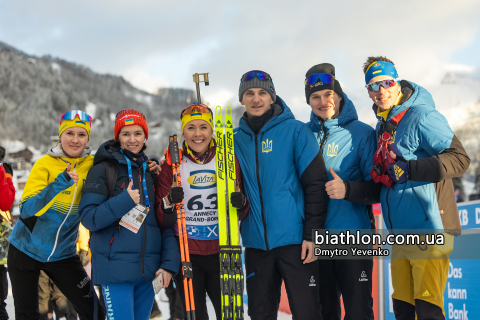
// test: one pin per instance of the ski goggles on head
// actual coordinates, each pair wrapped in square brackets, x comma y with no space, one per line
[196,111]
[196,108]
[322,78]
[387,83]
[70,115]
[260,75]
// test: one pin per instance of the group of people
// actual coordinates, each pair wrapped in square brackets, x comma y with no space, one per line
[284,192]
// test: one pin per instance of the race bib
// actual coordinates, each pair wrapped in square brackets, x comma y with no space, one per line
[200,200]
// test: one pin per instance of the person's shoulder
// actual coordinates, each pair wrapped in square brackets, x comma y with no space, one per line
[46,161]
[359,126]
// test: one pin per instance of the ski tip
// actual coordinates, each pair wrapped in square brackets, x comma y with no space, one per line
[217,109]
[228,111]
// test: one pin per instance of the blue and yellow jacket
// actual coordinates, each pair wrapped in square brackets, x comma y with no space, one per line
[284,178]
[434,156]
[46,201]
[347,147]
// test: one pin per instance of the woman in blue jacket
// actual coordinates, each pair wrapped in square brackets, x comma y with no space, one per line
[347,146]
[128,249]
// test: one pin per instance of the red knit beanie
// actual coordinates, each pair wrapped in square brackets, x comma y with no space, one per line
[130,117]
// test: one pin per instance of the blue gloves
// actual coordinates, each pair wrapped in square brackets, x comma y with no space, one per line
[398,171]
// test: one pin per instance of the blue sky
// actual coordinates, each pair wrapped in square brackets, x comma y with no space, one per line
[162,43]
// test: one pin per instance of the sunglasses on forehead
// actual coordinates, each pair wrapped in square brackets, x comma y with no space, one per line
[387,83]
[259,74]
[70,115]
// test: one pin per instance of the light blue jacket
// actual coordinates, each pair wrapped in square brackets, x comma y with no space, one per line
[423,132]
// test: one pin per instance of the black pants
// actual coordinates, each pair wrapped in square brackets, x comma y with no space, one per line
[67,274]
[351,279]
[206,279]
[3,292]
[176,310]
[265,271]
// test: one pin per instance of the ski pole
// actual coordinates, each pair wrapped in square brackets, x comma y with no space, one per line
[175,160]
[196,79]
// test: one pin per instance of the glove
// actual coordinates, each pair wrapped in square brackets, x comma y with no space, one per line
[238,200]
[8,168]
[175,195]
[398,171]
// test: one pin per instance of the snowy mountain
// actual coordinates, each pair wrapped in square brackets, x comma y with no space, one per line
[35,91]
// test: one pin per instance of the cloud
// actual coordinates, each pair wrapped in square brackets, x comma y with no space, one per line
[155,40]
[142,80]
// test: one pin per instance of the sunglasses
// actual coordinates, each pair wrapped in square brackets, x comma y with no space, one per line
[196,108]
[260,75]
[375,86]
[319,78]
[70,115]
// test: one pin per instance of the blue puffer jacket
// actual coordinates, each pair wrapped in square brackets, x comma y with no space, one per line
[348,148]
[119,255]
[423,132]
[272,165]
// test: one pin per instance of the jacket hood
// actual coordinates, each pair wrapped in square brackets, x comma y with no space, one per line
[281,113]
[348,113]
[107,152]
[414,96]
[57,152]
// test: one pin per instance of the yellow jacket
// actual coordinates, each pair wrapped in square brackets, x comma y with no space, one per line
[46,200]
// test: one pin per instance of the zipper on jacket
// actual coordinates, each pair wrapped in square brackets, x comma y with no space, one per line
[324,139]
[142,199]
[260,190]
[388,208]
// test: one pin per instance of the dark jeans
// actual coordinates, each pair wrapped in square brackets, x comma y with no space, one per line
[67,274]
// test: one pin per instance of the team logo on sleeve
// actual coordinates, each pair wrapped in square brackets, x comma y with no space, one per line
[267,146]
[332,150]
[202,179]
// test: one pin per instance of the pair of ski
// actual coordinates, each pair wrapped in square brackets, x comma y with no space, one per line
[231,271]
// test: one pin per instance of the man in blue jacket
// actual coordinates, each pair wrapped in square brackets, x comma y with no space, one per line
[419,156]
[347,146]
[284,178]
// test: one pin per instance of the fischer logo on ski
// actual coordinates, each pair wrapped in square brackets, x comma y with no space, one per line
[231,271]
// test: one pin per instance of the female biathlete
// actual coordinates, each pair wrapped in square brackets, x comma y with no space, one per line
[45,236]
[199,193]
[128,248]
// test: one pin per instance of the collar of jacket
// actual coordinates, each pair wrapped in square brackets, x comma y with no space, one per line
[57,152]
[107,152]
[347,114]
[409,91]
[281,113]
[210,156]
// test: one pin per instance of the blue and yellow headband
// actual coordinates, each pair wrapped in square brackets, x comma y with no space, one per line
[380,68]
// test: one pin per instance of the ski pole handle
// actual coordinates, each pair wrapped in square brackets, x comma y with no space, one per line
[173,145]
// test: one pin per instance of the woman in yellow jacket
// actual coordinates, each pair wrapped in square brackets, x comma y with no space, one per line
[45,236]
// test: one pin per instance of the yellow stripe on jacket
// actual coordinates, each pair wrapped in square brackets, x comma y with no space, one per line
[44,172]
